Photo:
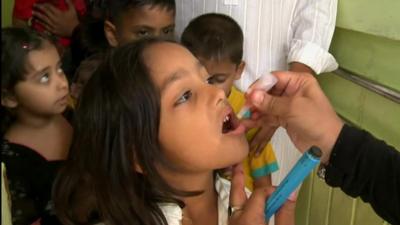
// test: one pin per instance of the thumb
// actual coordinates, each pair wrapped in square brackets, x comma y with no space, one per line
[268,104]
[237,195]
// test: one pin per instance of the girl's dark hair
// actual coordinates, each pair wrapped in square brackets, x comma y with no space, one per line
[214,36]
[115,129]
[16,43]
[92,29]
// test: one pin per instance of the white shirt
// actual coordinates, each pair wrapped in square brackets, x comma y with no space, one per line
[173,213]
[276,32]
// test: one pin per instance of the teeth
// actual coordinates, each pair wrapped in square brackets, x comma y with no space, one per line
[226,118]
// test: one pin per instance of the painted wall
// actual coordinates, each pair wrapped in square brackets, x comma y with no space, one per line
[6,12]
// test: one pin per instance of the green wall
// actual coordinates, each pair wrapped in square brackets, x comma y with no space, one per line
[6,12]
[367,43]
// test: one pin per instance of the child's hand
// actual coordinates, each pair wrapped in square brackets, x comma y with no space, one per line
[267,128]
[251,211]
[56,21]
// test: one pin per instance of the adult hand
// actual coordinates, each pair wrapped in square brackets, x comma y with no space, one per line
[251,211]
[56,21]
[301,107]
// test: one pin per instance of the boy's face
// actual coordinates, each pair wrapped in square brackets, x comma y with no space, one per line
[198,131]
[141,22]
[222,73]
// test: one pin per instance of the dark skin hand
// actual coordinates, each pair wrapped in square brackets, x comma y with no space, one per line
[56,21]
[268,126]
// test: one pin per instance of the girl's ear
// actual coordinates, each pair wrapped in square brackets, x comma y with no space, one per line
[8,100]
[239,70]
[111,33]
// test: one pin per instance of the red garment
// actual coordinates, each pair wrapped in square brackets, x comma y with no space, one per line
[23,11]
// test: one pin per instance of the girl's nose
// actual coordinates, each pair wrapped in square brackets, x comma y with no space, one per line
[218,95]
[62,81]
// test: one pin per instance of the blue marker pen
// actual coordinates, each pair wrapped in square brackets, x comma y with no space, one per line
[297,174]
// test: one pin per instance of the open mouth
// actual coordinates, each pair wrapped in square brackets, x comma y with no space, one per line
[230,123]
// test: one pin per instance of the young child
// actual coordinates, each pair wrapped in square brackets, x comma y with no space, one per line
[122,21]
[217,41]
[35,135]
[150,133]
[83,74]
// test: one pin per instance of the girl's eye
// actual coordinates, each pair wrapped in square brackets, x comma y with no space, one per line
[44,79]
[184,98]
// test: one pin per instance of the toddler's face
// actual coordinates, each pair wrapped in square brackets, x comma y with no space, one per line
[222,73]
[45,88]
[146,21]
[198,131]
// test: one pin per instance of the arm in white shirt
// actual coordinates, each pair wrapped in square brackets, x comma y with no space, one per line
[313,24]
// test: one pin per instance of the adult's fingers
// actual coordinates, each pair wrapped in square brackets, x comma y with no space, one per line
[268,104]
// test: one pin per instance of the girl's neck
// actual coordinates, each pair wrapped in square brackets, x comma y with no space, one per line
[36,122]
[202,208]
[50,137]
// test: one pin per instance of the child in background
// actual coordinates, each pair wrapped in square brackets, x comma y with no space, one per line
[122,21]
[83,74]
[117,22]
[35,136]
[217,41]
[150,133]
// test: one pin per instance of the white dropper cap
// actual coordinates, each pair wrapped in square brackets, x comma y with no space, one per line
[265,83]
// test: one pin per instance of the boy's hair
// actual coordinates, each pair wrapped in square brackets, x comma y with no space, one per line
[214,37]
[16,43]
[90,64]
[115,130]
[116,8]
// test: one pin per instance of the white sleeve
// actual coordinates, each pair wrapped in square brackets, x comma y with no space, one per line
[313,25]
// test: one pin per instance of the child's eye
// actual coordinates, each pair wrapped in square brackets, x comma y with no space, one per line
[44,79]
[169,31]
[185,97]
[143,33]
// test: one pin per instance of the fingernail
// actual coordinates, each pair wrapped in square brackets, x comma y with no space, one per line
[293,196]
[258,98]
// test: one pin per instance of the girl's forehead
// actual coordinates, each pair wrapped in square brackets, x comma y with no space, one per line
[166,58]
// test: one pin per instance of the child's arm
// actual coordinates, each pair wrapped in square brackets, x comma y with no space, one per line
[262,166]
[264,181]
